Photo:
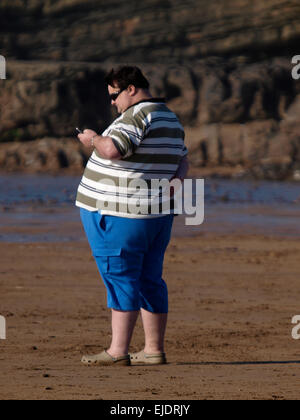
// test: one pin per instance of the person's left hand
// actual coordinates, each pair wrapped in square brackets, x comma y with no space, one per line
[86,136]
[173,190]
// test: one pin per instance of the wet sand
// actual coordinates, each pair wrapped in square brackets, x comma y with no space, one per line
[232,299]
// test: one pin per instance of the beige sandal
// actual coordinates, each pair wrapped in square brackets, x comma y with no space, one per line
[105,359]
[141,358]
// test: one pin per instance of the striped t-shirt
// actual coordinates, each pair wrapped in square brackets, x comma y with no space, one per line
[150,139]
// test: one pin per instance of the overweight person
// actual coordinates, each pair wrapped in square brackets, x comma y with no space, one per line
[122,213]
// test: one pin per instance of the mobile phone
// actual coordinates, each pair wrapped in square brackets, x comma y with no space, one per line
[79,131]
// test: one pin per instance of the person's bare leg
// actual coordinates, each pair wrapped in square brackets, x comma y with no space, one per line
[154,327]
[123,324]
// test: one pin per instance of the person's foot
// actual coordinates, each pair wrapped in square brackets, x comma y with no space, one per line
[142,358]
[105,359]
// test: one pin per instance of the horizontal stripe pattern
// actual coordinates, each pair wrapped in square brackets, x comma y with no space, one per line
[151,140]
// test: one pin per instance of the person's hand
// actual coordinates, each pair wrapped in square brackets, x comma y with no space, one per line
[181,179]
[86,137]
[173,190]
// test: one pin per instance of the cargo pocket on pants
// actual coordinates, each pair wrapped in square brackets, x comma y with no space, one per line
[109,258]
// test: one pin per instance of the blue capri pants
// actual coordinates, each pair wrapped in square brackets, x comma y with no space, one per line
[129,254]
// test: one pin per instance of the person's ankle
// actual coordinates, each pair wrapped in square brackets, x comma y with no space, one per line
[153,350]
[116,353]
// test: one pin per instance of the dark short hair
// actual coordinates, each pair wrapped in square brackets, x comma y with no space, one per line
[125,76]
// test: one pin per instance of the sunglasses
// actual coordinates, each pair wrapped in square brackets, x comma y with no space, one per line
[113,96]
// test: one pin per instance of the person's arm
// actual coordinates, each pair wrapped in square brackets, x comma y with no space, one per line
[183,169]
[181,173]
[104,145]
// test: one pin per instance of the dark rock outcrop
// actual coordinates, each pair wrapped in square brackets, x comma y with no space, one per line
[224,67]
[148,31]
[50,99]
[49,155]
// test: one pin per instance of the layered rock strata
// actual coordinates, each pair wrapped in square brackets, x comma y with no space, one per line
[225,69]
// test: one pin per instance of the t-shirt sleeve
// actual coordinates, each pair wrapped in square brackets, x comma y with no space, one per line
[127,133]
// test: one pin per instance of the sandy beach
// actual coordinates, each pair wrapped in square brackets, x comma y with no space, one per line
[232,299]
[230,72]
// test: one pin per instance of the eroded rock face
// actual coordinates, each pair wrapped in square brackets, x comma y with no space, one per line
[49,155]
[148,31]
[224,67]
[242,114]
[50,99]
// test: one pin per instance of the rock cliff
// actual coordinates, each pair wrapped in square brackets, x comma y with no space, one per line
[146,31]
[224,67]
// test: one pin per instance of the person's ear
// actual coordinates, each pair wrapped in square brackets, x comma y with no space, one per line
[132,90]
